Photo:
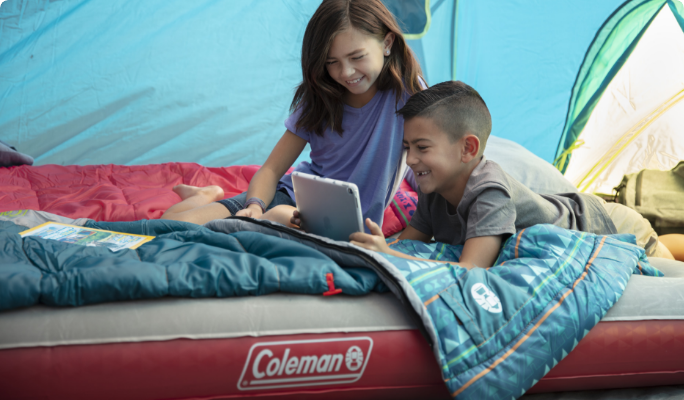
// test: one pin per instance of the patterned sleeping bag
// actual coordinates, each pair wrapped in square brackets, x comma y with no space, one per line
[498,331]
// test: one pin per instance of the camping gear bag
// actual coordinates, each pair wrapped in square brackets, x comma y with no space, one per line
[657,195]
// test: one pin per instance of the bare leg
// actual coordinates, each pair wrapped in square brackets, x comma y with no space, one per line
[197,204]
[675,243]
[281,214]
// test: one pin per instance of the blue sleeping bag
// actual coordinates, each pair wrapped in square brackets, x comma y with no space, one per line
[184,260]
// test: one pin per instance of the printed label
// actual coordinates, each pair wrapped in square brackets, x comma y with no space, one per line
[486,298]
[305,363]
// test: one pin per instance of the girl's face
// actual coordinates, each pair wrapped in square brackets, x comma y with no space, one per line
[355,61]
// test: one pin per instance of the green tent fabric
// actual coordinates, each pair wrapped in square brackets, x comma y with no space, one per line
[623,113]
[612,46]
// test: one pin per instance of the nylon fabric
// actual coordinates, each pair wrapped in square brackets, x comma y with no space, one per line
[677,9]
[502,329]
[634,125]
[495,332]
[610,49]
[184,260]
[124,193]
[141,82]
[125,82]
[523,57]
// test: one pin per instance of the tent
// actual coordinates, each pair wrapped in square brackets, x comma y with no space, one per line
[128,82]
[140,82]
[625,112]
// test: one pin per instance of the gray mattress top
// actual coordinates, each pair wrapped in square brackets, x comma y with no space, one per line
[645,298]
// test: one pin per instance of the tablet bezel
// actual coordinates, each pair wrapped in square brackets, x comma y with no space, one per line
[328,207]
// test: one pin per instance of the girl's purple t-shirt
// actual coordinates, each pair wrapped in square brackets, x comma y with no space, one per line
[367,154]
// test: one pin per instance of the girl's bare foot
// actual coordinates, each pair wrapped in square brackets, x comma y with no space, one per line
[213,192]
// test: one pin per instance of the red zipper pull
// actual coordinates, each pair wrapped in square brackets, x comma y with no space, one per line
[331,285]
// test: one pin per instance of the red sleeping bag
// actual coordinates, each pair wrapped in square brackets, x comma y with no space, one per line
[129,193]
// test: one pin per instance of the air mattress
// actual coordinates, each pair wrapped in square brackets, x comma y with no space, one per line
[231,348]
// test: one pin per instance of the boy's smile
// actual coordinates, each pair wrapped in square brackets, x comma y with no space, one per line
[439,165]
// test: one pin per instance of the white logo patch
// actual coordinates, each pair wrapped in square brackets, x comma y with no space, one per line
[486,298]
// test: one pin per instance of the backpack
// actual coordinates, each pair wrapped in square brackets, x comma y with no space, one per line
[657,195]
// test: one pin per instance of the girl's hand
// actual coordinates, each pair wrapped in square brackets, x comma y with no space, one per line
[252,211]
[375,241]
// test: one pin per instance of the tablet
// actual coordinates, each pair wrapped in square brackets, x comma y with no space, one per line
[327,207]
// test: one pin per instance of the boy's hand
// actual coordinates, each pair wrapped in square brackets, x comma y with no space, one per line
[252,211]
[296,218]
[375,241]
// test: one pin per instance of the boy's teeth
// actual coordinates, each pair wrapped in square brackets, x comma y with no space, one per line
[423,173]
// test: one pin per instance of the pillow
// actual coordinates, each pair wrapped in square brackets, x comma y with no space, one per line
[530,170]
[9,156]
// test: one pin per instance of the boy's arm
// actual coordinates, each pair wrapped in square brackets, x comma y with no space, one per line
[412,233]
[376,240]
[480,251]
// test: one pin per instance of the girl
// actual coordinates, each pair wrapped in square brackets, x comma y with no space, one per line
[357,71]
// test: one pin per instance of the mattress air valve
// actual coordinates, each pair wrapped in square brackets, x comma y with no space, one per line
[331,285]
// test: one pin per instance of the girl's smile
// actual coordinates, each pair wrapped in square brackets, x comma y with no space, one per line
[354,82]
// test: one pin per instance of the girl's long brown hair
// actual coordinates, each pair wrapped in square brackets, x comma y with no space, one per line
[319,96]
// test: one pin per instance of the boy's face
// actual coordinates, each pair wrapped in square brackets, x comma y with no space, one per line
[435,160]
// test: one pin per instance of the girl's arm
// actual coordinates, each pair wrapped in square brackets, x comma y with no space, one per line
[263,184]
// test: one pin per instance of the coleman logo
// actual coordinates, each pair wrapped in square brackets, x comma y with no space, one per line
[305,363]
[486,298]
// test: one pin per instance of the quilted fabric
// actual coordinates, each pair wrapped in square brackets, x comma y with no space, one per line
[122,193]
[502,329]
[183,260]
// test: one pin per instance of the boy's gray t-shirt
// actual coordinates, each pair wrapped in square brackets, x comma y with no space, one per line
[494,203]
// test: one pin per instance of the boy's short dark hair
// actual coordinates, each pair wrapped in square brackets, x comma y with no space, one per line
[454,107]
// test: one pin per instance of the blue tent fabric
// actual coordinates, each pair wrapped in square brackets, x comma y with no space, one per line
[131,82]
[523,58]
[138,82]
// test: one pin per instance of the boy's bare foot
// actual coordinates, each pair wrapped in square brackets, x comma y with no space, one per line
[212,192]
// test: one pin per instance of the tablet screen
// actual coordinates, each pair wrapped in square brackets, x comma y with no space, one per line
[327,207]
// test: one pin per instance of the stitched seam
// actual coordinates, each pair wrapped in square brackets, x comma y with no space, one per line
[243,247]
[529,299]
[516,313]
[469,316]
[531,323]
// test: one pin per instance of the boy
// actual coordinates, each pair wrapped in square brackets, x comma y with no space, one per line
[465,199]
